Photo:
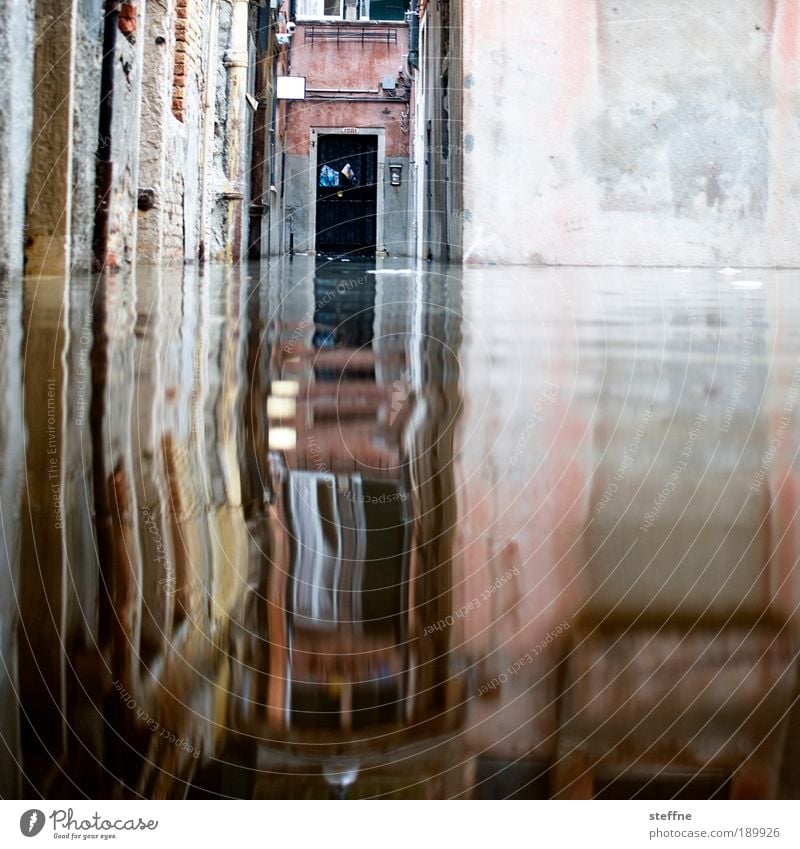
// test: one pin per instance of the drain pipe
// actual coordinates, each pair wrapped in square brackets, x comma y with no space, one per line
[236,61]
[209,107]
[104,165]
[273,131]
[412,19]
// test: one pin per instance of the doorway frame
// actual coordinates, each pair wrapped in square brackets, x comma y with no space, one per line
[313,150]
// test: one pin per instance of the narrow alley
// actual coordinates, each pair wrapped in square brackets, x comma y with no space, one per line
[395,407]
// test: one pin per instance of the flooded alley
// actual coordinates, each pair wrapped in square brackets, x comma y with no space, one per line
[366,529]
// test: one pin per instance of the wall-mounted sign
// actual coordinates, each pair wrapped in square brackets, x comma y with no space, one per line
[290,88]
[349,131]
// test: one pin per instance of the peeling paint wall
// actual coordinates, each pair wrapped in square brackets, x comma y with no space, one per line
[617,132]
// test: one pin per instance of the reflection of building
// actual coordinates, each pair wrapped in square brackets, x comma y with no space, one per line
[347,602]
[339,654]
[12,462]
[681,672]
[300,565]
[628,657]
[135,547]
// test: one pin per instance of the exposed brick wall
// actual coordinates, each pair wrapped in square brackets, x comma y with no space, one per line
[190,23]
[179,72]
[188,87]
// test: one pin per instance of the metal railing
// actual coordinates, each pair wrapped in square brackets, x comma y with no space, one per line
[350,33]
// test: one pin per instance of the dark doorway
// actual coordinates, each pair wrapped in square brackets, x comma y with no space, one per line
[347,194]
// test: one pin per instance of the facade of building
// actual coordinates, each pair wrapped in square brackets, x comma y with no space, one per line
[154,128]
[438,132]
[349,138]
[135,129]
[631,133]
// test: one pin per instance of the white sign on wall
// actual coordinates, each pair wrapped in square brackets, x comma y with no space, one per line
[290,88]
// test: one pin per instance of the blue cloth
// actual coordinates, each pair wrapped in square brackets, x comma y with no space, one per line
[328,178]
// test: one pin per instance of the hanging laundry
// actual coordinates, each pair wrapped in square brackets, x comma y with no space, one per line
[350,175]
[328,178]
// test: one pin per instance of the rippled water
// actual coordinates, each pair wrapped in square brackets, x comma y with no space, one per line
[337,530]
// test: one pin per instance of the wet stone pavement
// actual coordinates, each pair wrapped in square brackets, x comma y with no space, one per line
[338,530]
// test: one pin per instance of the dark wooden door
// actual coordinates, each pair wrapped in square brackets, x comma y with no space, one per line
[347,213]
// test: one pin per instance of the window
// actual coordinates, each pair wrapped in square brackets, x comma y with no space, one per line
[352,10]
[349,538]
[319,8]
[386,10]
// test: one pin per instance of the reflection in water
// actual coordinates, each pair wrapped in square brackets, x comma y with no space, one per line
[314,531]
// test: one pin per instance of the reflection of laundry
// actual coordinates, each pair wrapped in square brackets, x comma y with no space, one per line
[350,175]
[328,178]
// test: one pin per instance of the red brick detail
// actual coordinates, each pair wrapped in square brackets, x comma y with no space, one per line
[126,20]
[179,70]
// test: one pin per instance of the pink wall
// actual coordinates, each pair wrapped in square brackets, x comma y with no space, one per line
[348,65]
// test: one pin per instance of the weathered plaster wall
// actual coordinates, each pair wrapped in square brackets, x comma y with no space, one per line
[349,65]
[173,128]
[88,65]
[191,66]
[304,116]
[124,141]
[396,225]
[276,165]
[652,132]
[49,195]
[65,97]
[16,116]
[158,127]
[231,143]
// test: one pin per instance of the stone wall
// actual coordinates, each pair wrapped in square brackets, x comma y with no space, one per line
[124,136]
[177,51]
[88,62]
[116,133]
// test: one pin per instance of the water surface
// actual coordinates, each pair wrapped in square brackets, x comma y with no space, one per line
[332,529]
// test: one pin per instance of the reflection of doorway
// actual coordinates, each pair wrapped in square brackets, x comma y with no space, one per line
[346,212]
[347,206]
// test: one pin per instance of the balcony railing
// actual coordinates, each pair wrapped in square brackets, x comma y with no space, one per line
[350,33]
